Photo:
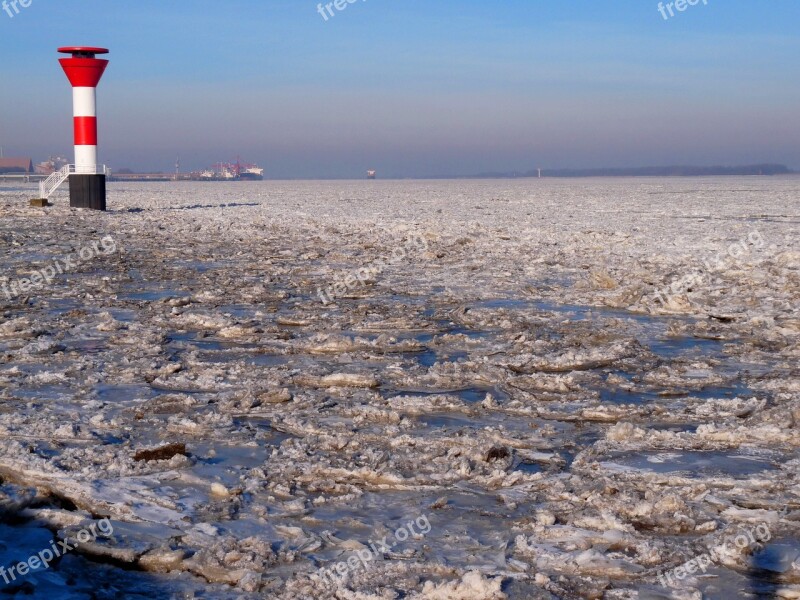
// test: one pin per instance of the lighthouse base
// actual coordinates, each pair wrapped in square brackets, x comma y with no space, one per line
[87,191]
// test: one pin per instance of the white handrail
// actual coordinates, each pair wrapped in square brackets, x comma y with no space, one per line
[93,170]
[52,183]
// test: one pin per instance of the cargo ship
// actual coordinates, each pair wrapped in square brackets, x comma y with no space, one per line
[237,171]
[251,173]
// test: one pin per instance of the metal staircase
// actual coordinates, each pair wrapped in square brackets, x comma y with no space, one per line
[52,183]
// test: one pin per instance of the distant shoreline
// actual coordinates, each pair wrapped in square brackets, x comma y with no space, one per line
[764,170]
[473,178]
[671,171]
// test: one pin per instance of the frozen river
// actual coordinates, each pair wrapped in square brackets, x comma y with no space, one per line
[419,389]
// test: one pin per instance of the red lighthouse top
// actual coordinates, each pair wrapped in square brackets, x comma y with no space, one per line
[83,69]
[82,50]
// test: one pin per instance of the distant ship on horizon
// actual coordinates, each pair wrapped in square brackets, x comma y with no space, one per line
[237,171]
[251,173]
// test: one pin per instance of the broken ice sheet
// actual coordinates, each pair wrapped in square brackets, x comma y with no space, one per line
[515,382]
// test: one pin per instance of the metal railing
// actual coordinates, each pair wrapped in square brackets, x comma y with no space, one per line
[52,183]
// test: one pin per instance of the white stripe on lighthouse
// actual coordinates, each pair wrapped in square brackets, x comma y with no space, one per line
[86,159]
[84,102]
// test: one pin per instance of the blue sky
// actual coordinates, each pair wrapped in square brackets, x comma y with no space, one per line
[412,87]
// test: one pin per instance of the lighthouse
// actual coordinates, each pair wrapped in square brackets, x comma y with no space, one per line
[87,181]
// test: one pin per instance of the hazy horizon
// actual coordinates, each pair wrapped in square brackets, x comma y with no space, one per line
[410,89]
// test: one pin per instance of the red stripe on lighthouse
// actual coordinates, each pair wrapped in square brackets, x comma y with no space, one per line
[86,131]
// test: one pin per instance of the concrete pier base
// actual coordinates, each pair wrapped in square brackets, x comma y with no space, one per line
[87,191]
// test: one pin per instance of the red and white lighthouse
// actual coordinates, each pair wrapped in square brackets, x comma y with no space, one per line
[87,182]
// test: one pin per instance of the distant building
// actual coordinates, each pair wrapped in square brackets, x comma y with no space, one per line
[16,165]
[51,165]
